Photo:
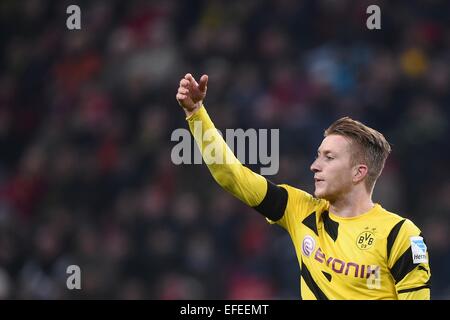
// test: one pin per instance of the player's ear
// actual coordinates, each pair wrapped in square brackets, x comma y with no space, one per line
[360,171]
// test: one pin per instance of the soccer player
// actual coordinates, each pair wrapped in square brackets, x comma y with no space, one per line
[347,246]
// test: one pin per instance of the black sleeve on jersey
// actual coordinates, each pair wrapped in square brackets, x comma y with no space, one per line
[393,236]
[274,202]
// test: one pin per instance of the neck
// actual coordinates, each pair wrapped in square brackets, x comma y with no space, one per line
[352,204]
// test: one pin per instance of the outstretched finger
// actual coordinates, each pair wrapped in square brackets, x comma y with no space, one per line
[203,83]
[191,79]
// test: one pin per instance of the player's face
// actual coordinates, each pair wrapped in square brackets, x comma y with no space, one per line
[332,169]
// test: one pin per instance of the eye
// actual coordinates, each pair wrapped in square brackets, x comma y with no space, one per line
[329,158]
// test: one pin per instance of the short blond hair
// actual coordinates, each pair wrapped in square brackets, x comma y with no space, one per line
[369,146]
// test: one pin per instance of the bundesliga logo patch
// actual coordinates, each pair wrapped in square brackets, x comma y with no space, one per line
[308,245]
[419,250]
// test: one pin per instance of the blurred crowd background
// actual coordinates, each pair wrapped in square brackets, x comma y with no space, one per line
[86,118]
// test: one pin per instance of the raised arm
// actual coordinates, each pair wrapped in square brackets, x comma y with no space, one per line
[248,186]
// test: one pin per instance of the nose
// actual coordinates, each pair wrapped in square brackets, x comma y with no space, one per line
[315,167]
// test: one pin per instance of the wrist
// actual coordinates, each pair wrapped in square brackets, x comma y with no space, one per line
[191,112]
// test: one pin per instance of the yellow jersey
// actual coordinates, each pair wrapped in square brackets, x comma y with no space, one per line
[376,255]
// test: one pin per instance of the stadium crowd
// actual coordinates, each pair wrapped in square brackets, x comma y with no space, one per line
[86,118]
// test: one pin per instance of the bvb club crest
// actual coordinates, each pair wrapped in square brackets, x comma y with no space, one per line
[365,240]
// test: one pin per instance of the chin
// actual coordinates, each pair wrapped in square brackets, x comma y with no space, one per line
[318,194]
[321,195]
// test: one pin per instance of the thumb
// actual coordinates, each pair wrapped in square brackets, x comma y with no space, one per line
[203,83]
